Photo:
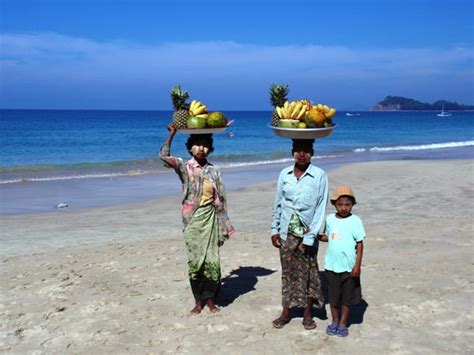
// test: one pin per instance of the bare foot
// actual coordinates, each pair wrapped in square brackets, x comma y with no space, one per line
[196,310]
[212,307]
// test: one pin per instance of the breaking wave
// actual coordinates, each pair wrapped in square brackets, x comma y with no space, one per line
[417,147]
[57,176]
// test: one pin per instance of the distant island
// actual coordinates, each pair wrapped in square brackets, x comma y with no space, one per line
[400,103]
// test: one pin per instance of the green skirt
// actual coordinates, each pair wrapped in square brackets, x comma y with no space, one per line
[202,237]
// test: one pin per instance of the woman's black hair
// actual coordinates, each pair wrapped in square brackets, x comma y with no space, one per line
[204,139]
[303,144]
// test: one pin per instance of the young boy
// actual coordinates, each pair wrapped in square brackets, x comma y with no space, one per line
[344,233]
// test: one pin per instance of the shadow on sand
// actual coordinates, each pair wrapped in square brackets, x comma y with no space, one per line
[355,317]
[243,280]
[240,282]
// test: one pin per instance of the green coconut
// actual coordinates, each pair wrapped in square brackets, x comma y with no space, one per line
[216,120]
[196,122]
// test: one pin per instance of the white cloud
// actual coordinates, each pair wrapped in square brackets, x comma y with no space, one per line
[51,63]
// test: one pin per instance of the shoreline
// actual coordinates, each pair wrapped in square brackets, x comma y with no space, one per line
[111,280]
[14,236]
[44,196]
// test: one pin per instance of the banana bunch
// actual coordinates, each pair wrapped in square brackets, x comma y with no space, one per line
[295,110]
[197,109]
[328,112]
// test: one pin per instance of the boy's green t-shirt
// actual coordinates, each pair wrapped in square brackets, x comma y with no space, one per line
[343,234]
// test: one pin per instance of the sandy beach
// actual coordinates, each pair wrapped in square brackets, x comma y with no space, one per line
[114,280]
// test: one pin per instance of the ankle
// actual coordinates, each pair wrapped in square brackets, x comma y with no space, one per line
[210,302]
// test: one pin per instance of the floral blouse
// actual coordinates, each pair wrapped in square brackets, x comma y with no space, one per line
[192,177]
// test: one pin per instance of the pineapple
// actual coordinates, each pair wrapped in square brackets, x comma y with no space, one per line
[181,108]
[278,94]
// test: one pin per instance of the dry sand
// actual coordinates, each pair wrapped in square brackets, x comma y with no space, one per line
[114,280]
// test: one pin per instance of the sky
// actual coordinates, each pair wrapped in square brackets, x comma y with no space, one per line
[113,54]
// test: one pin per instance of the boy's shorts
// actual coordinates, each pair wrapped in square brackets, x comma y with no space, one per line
[343,288]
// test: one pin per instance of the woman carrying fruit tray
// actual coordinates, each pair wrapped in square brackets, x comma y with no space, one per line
[300,202]
[204,213]
[298,214]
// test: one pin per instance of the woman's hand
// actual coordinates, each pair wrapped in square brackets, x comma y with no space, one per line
[171,132]
[276,240]
[220,243]
[323,237]
[171,128]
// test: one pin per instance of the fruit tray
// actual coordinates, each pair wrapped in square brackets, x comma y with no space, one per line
[201,130]
[302,133]
[204,130]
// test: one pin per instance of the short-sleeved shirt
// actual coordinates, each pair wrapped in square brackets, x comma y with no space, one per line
[343,234]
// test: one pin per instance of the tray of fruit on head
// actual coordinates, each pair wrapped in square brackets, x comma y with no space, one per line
[194,118]
[299,119]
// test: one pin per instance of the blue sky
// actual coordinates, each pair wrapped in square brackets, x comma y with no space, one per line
[105,54]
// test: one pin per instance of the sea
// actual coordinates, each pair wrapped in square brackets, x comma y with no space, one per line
[99,147]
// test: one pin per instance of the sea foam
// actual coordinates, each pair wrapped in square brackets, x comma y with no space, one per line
[139,172]
[417,147]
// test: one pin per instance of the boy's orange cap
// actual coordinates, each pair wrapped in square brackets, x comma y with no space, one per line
[342,191]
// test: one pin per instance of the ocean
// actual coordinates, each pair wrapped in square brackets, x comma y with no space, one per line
[55,144]
[100,147]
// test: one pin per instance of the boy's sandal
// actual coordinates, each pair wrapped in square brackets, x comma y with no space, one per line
[309,323]
[331,329]
[342,331]
[280,322]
